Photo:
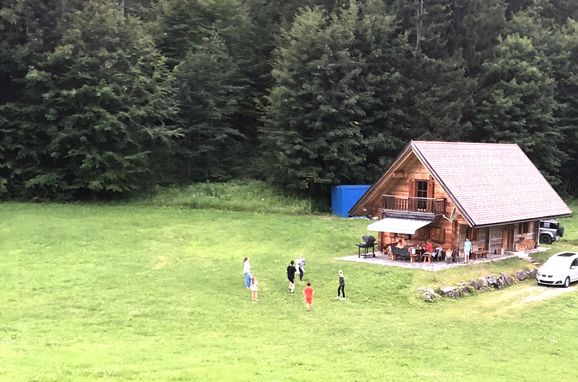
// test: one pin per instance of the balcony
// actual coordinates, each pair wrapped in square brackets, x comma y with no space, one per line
[436,206]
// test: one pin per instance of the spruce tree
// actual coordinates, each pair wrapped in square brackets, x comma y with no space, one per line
[381,55]
[518,104]
[336,113]
[564,62]
[313,127]
[95,109]
[567,91]
[29,31]
[209,83]
[184,27]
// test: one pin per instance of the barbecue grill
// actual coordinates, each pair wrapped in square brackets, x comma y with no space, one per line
[368,242]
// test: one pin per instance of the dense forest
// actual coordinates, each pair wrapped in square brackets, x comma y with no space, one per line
[102,99]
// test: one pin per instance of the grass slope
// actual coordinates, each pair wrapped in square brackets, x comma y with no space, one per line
[144,293]
[236,195]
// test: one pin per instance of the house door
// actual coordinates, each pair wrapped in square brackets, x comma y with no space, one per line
[421,194]
[508,237]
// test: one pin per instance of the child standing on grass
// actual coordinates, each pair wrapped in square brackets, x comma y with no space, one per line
[247,272]
[254,289]
[301,267]
[291,270]
[341,288]
[308,292]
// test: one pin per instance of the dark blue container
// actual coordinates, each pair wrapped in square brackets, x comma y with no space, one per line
[344,197]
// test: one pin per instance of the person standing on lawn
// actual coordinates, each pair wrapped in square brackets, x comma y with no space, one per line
[301,267]
[247,272]
[254,289]
[467,250]
[341,288]
[291,270]
[308,292]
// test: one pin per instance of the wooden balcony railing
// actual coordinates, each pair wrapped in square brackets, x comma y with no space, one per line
[413,204]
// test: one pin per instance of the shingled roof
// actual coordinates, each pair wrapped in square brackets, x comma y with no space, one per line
[491,183]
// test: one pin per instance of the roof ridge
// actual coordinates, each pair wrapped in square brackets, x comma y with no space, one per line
[468,143]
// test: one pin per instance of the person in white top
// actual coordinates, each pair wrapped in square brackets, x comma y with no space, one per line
[300,267]
[254,289]
[247,272]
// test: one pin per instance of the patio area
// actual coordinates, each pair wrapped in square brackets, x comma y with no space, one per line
[382,259]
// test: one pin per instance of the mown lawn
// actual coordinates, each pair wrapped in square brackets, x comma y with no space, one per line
[146,293]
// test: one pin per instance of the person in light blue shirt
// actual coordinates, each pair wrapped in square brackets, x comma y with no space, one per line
[467,250]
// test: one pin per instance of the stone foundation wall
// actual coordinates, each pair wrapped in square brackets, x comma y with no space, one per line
[503,280]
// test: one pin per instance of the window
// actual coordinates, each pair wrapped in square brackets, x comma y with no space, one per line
[523,227]
[549,225]
[472,233]
[421,192]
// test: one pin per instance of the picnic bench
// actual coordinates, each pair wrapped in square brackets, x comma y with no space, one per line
[478,253]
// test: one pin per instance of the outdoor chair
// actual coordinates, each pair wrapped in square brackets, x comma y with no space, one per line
[482,252]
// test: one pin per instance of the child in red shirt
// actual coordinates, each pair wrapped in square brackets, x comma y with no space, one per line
[308,292]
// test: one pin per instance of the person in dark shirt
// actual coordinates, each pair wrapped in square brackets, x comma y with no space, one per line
[341,288]
[291,270]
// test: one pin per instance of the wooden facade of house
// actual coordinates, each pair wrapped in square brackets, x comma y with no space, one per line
[462,195]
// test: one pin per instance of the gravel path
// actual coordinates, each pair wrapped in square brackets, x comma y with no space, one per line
[539,293]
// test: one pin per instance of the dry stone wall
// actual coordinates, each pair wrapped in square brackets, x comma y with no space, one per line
[490,282]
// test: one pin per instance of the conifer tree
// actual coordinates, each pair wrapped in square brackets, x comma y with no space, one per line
[184,27]
[336,112]
[567,93]
[442,92]
[29,30]
[95,109]
[313,120]
[518,104]
[208,83]
[381,55]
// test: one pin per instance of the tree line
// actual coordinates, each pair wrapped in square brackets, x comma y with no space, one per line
[102,98]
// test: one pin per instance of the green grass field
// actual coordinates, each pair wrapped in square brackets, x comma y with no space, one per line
[150,293]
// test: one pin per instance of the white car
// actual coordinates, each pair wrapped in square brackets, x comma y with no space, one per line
[560,269]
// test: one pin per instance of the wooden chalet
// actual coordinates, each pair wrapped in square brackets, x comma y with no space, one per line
[447,191]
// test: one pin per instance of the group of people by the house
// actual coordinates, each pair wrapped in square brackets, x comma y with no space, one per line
[429,252]
[294,267]
[298,267]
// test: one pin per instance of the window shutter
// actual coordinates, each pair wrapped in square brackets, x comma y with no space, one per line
[430,188]
[412,204]
[412,188]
